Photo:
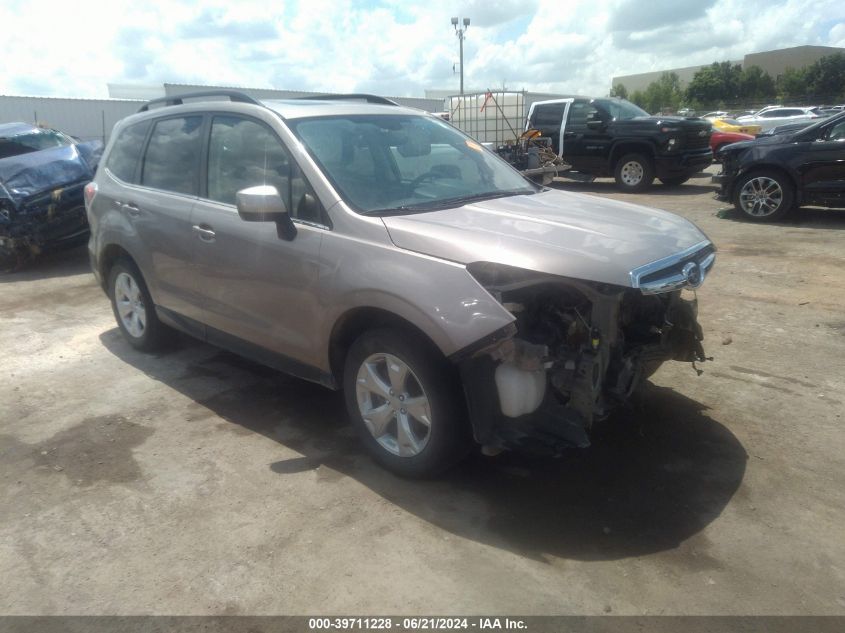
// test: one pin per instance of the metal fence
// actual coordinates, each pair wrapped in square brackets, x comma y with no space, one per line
[86,119]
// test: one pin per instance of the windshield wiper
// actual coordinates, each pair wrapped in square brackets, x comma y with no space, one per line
[451,202]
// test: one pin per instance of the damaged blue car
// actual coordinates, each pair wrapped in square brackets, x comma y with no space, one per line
[43,173]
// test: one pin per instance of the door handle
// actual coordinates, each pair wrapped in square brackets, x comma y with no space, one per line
[131,209]
[205,232]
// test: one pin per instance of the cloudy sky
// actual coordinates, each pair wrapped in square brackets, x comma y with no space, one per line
[391,47]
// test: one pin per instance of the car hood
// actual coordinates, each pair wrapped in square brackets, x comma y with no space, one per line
[27,175]
[559,233]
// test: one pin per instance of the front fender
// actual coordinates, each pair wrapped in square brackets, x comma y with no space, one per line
[440,298]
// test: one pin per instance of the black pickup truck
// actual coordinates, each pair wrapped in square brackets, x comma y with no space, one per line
[613,137]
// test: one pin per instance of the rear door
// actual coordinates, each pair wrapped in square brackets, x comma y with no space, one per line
[159,210]
[257,288]
[548,117]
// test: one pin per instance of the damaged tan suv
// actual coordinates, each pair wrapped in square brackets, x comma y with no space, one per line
[376,249]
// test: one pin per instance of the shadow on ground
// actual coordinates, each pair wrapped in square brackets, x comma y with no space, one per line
[64,263]
[655,476]
[804,218]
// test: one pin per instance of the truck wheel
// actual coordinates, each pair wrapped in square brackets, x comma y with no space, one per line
[405,402]
[674,182]
[133,307]
[634,173]
[764,196]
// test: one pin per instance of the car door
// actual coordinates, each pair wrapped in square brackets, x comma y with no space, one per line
[159,210]
[258,290]
[548,117]
[588,148]
[823,171]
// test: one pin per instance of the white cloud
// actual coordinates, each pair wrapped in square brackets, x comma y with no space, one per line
[392,47]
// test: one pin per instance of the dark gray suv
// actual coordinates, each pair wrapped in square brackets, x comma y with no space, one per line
[376,249]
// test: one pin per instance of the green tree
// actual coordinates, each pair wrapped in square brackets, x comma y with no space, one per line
[755,84]
[826,77]
[714,84]
[665,93]
[619,90]
[638,97]
[792,84]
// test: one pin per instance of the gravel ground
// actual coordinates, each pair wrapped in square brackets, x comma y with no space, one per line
[195,482]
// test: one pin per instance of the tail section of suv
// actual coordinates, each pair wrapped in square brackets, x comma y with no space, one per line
[378,250]
[613,137]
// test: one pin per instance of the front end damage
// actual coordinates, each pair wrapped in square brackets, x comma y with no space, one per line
[575,351]
[41,201]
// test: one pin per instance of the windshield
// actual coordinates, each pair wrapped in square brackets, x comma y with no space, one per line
[619,109]
[32,142]
[392,163]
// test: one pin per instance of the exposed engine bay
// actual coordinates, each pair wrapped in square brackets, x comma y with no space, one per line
[576,350]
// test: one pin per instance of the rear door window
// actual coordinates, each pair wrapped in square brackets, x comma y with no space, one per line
[548,116]
[172,159]
[126,152]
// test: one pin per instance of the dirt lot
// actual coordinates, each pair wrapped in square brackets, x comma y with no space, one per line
[195,482]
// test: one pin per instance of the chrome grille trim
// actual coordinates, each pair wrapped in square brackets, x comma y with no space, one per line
[678,272]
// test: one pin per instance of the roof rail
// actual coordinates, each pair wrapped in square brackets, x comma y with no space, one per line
[353,97]
[234,96]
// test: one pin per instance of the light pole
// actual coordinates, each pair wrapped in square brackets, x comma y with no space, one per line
[460,33]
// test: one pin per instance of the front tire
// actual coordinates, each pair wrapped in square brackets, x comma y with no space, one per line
[405,401]
[133,307]
[634,173]
[764,196]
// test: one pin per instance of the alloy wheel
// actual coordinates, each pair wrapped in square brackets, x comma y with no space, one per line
[130,305]
[393,405]
[761,196]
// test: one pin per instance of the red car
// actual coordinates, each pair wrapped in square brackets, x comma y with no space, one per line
[719,139]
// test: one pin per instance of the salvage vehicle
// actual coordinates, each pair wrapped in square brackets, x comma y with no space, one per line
[586,138]
[377,249]
[42,175]
[770,176]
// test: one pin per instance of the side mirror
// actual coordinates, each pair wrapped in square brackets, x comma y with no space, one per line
[595,124]
[263,203]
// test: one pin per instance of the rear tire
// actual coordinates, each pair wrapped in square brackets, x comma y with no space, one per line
[634,173]
[133,307]
[764,196]
[412,400]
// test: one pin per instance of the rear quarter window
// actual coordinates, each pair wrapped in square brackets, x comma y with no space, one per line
[126,151]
